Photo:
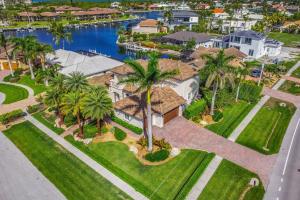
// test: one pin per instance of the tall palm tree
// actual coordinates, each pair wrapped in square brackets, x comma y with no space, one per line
[72,103]
[168,16]
[42,51]
[145,79]
[97,104]
[219,72]
[76,82]
[241,74]
[60,33]
[4,42]
[53,98]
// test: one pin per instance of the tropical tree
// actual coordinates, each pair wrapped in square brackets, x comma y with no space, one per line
[97,104]
[72,103]
[220,72]
[168,16]
[60,33]
[145,79]
[76,82]
[241,73]
[45,74]
[53,99]
[42,51]
[4,42]
[245,18]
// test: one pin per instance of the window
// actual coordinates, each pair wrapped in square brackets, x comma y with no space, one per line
[248,41]
[237,39]
[251,52]
[127,117]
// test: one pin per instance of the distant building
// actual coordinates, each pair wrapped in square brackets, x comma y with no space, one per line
[115,4]
[183,17]
[146,26]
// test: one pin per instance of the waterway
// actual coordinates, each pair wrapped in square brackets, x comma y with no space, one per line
[100,38]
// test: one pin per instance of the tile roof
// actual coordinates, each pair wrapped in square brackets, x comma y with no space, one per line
[183,13]
[101,80]
[148,23]
[185,70]
[27,14]
[163,99]
[100,11]
[249,34]
[67,8]
[184,36]
[49,14]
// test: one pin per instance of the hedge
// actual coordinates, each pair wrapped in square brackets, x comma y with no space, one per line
[157,156]
[196,108]
[34,108]
[119,134]
[250,92]
[131,127]
[11,116]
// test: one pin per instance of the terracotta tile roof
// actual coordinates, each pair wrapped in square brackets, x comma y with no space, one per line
[290,23]
[130,88]
[49,14]
[185,70]
[149,23]
[163,100]
[100,11]
[101,80]
[218,10]
[26,14]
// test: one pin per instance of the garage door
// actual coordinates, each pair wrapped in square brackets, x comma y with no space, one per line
[171,115]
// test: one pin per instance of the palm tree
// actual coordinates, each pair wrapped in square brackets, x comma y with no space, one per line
[76,82]
[168,16]
[219,72]
[4,44]
[72,103]
[59,33]
[241,74]
[43,50]
[45,74]
[97,104]
[53,98]
[145,79]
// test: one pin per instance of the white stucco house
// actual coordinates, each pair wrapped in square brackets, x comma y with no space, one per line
[147,26]
[168,99]
[182,17]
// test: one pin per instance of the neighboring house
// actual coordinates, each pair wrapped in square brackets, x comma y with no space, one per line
[168,98]
[96,13]
[62,9]
[87,64]
[27,16]
[253,44]
[202,6]
[115,4]
[183,17]
[182,37]
[49,16]
[147,26]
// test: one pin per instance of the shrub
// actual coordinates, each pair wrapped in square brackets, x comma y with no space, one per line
[104,129]
[34,108]
[250,92]
[157,156]
[11,116]
[131,127]
[218,115]
[196,108]
[119,134]
[142,141]
[69,120]
[162,144]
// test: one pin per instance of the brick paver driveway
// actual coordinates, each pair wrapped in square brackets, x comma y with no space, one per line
[283,96]
[182,133]
[4,73]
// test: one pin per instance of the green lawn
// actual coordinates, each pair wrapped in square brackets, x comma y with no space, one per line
[266,130]
[171,180]
[296,73]
[48,121]
[233,115]
[37,88]
[13,93]
[290,87]
[287,38]
[70,175]
[229,182]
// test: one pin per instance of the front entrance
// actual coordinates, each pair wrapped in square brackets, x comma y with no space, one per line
[171,115]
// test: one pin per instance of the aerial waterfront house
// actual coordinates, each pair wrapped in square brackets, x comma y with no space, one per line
[146,27]
[182,17]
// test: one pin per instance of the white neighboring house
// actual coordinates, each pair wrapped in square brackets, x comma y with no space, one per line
[168,98]
[87,64]
[115,4]
[146,26]
[253,44]
[182,17]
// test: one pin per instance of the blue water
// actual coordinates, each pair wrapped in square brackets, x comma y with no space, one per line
[101,38]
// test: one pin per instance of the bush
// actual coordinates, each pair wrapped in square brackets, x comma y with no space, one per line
[119,134]
[218,115]
[162,144]
[142,141]
[250,92]
[69,120]
[11,116]
[157,156]
[34,108]
[196,108]
[131,127]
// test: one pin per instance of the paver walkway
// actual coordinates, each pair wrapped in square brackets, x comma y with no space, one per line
[182,133]
[88,161]
[282,96]
[69,131]
[4,108]
[19,179]
[290,78]
[29,90]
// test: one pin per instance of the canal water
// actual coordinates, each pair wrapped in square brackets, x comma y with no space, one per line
[100,38]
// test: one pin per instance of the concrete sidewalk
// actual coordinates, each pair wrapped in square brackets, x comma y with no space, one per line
[88,161]
[19,179]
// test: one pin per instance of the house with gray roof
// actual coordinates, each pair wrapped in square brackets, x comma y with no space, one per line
[253,44]
[182,17]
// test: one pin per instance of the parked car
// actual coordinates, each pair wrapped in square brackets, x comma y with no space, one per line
[255,73]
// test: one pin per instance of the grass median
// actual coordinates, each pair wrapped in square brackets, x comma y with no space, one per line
[13,93]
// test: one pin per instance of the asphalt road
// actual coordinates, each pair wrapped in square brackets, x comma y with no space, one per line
[285,179]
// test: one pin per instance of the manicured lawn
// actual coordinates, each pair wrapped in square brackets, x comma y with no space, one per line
[296,73]
[48,121]
[70,175]
[37,88]
[287,38]
[229,182]
[171,180]
[13,93]
[233,115]
[266,130]
[291,87]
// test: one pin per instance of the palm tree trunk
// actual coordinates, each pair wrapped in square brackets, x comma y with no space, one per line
[9,64]
[31,70]
[213,98]
[99,126]
[149,120]
[237,92]
[80,126]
